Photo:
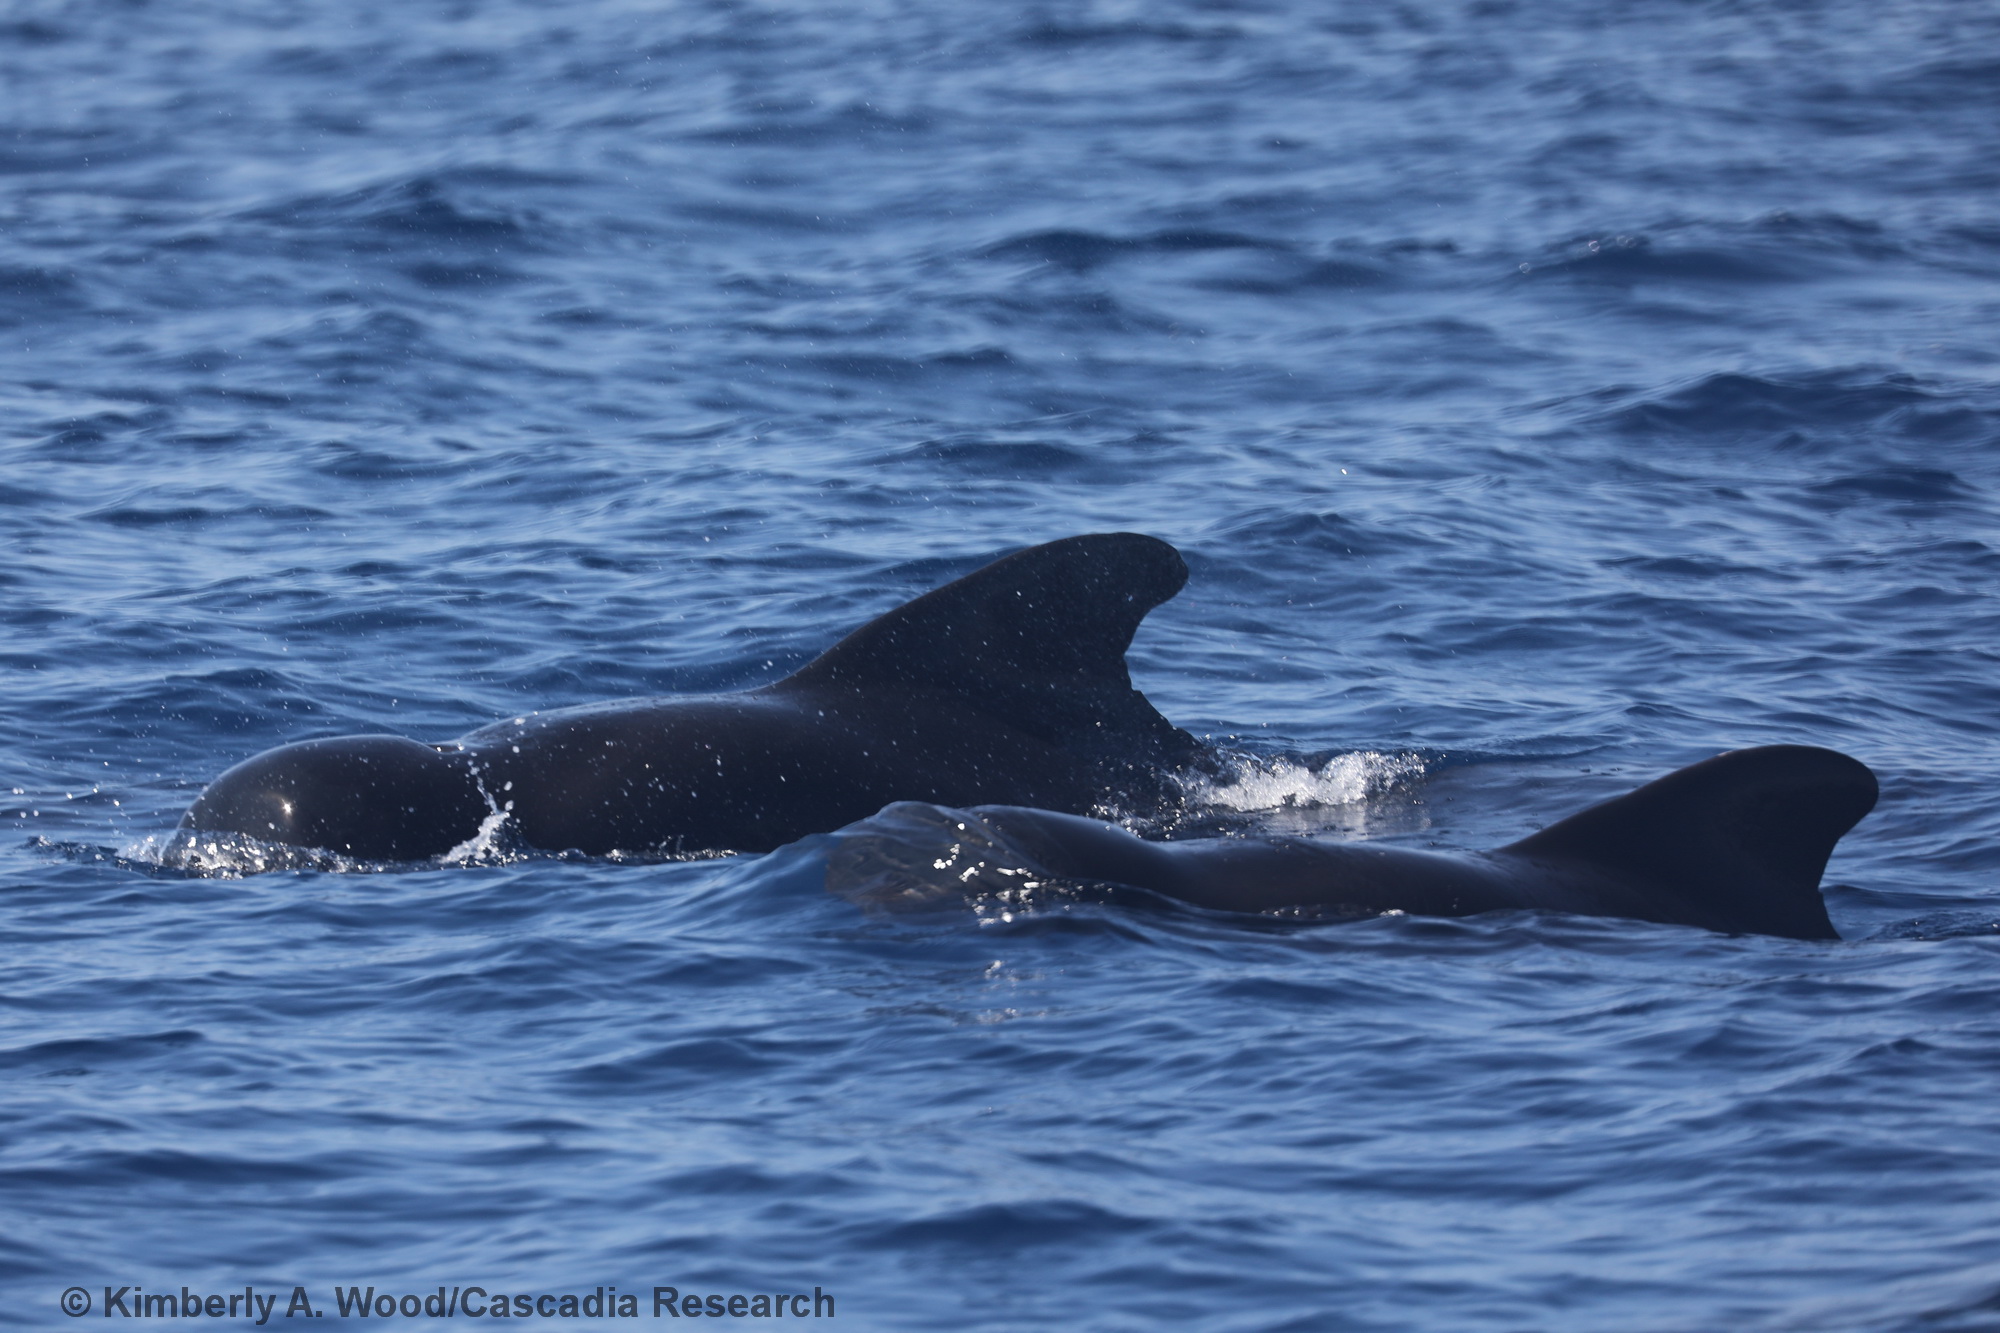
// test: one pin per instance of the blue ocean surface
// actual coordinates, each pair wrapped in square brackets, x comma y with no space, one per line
[1544,396]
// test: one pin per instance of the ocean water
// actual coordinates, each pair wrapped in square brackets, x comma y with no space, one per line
[1544,397]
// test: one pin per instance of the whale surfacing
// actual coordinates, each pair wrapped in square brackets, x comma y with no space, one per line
[1001,705]
[1007,686]
[1735,844]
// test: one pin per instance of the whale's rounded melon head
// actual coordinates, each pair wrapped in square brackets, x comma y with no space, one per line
[374,798]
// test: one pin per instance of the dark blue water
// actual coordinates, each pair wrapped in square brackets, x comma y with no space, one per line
[1544,396]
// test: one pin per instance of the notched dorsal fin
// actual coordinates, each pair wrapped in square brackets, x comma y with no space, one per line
[1741,838]
[1036,639]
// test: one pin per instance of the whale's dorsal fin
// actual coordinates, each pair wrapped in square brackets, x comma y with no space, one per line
[1036,639]
[1742,838]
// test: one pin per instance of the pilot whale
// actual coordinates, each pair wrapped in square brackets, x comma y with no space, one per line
[1735,844]
[1008,686]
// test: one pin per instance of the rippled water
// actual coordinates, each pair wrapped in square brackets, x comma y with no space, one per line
[1543,396]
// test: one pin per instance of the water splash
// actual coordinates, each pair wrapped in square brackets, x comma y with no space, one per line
[1263,783]
[210,855]
[487,846]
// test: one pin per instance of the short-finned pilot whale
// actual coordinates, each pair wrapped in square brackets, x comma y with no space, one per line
[1007,686]
[1735,844]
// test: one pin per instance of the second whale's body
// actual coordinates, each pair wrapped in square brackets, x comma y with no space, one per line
[1736,843]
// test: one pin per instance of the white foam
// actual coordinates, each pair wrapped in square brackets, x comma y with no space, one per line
[228,855]
[1278,784]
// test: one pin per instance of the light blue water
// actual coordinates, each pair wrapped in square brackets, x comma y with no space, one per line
[1544,397]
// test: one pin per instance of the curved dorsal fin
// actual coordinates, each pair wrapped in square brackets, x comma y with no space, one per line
[1036,639]
[1741,838]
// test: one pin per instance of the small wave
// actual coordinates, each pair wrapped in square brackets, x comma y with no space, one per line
[1283,275]
[38,292]
[30,32]
[1947,925]
[415,210]
[1627,259]
[1064,34]
[1081,251]
[1952,83]
[77,1055]
[1319,533]
[1913,485]
[885,368]
[447,277]
[851,122]
[1001,458]
[201,516]
[1019,1224]
[1276,784]
[1734,404]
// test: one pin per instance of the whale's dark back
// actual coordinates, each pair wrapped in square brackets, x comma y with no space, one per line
[1741,839]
